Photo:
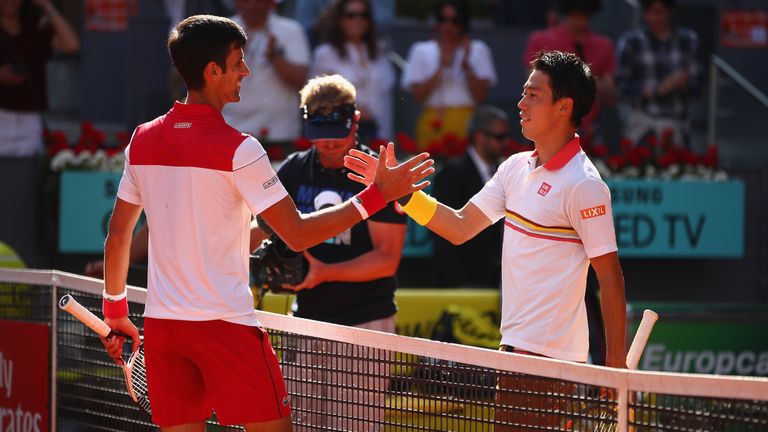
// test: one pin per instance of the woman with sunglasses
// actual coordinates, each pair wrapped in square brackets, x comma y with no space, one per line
[351,48]
[449,75]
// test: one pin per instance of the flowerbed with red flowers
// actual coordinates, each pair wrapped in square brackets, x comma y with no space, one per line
[89,152]
[652,158]
[655,158]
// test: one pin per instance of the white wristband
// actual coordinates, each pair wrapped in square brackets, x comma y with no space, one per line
[359,206]
[111,297]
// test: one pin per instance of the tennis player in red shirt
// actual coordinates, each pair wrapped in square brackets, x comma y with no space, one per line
[199,182]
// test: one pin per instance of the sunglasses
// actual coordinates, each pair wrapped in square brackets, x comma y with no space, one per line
[497,136]
[351,15]
[455,20]
[338,115]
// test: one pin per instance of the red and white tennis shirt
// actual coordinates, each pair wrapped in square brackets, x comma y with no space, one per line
[199,181]
[557,216]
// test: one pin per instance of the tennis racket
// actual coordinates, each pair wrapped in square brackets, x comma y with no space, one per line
[134,370]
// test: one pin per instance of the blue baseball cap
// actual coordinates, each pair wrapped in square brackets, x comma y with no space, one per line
[334,125]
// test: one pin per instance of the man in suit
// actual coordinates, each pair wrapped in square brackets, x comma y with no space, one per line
[476,263]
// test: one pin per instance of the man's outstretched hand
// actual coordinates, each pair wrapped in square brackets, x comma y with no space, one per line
[364,165]
[393,180]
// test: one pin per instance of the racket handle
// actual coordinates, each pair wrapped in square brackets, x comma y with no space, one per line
[69,304]
[641,338]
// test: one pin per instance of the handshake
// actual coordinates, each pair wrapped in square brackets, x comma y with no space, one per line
[274,264]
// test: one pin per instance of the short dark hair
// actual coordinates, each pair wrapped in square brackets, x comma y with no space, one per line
[484,116]
[463,12]
[646,4]
[569,77]
[588,7]
[199,40]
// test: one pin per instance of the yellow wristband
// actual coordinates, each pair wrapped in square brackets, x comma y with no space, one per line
[421,207]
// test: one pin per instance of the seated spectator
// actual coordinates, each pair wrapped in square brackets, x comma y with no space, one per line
[307,11]
[30,31]
[575,36]
[657,74]
[352,49]
[449,75]
[277,54]
[476,263]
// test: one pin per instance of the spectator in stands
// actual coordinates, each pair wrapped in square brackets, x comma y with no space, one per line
[306,12]
[657,73]
[574,35]
[277,54]
[449,75]
[351,278]
[30,31]
[352,49]
[476,263]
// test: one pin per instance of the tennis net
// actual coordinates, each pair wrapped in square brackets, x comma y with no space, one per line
[348,379]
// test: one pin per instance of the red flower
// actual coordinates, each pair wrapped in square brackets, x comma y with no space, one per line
[652,141]
[85,127]
[667,159]
[437,124]
[625,144]
[56,141]
[405,142]
[643,153]
[436,147]
[616,162]
[600,150]
[302,143]
[687,157]
[59,137]
[453,145]
[275,153]
[377,143]
[667,138]
[99,138]
[712,151]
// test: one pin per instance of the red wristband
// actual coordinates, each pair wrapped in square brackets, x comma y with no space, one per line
[371,200]
[115,309]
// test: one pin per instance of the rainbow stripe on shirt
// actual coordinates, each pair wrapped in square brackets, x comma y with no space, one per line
[532,229]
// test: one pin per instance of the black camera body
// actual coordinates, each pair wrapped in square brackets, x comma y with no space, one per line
[275,264]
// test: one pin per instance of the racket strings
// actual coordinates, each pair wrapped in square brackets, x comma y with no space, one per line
[139,380]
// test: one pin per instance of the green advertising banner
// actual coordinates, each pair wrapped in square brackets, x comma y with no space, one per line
[652,218]
[706,339]
[678,219]
[87,198]
[659,219]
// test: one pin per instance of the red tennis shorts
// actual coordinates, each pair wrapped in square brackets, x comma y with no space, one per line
[194,367]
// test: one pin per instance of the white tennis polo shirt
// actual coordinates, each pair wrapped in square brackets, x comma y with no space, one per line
[557,216]
[199,181]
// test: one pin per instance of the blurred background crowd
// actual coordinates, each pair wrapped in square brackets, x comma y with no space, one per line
[681,97]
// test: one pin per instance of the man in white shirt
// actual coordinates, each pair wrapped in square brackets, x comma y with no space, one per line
[558,220]
[278,56]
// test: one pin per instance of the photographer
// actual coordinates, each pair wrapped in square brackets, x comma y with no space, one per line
[351,277]
[30,31]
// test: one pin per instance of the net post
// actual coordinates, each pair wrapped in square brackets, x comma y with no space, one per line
[54,348]
[623,408]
